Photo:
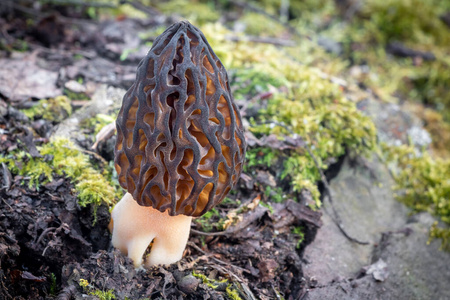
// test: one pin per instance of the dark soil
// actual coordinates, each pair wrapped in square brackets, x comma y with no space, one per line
[48,242]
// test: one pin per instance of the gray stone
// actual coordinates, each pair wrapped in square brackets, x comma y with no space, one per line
[188,284]
[416,270]
[365,205]
[396,264]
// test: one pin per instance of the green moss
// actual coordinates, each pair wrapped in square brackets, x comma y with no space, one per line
[61,157]
[197,12]
[52,109]
[98,122]
[53,284]
[437,127]
[260,25]
[231,292]
[440,233]
[275,194]
[91,290]
[304,103]
[208,281]
[316,110]
[308,10]
[406,20]
[74,95]
[417,25]
[247,83]
[103,295]
[268,206]
[300,233]
[430,85]
[260,156]
[209,220]
[422,183]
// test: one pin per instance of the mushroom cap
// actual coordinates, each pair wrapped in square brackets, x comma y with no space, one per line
[180,142]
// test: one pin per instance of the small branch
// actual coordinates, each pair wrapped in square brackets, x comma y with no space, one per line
[96,155]
[151,12]
[4,201]
[81,3]
[247,292]
[216,259]
[262,40]
[43,234]
[219,233]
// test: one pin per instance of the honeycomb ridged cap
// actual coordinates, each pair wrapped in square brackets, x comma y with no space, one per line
[180,142]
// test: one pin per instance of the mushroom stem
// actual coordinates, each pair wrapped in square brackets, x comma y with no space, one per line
[134,227]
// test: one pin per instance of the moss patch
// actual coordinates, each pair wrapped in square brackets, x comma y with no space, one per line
[52,109]
[61,157]
[304,103]
[230,290]
[423,183]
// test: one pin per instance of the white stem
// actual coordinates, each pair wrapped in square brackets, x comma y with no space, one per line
[135,227]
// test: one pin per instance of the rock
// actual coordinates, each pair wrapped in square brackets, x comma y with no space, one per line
[330,45]
[423,273]
[378,270]
[22,78]
[363,199]
[75,86]
[188,284]
[396,263]
[395,126]
[104,98]
[266,179]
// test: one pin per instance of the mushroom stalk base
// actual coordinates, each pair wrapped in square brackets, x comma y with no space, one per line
[134,227]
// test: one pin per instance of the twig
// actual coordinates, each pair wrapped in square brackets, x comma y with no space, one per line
[262,40]
[216,259]
[5,289]
[96,155]
[275,292]
[45,232]
[219,233]
[80,2]
[7,204]
[70,53]
[144,8]
[244,286]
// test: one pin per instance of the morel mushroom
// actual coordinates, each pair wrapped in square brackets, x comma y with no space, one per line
[180,146]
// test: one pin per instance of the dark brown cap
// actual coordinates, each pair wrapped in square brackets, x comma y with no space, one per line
[180,144]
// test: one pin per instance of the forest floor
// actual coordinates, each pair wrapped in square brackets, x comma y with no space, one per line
[53,246]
